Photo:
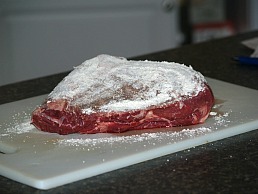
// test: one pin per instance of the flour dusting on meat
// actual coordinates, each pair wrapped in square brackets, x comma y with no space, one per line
[109,94]
[106,83]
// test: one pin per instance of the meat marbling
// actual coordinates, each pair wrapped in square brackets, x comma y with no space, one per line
[110,94]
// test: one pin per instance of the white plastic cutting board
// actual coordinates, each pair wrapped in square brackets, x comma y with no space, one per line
[45,160]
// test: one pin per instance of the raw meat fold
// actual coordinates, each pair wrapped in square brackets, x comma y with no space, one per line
[110,94]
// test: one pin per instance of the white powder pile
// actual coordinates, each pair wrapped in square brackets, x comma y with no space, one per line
[21,123]
[221,119]
[107,83]
[23,127]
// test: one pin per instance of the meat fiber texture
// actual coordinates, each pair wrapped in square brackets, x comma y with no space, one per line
[108,94]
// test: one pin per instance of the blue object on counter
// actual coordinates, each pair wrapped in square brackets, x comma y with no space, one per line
[246,60]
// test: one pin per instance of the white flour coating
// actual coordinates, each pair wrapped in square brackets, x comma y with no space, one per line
[106,83]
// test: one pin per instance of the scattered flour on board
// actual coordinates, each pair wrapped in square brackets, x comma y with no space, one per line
[21,124]
[221,119]
[130,139]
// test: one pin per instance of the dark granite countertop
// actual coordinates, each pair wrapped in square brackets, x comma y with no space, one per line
[226,166]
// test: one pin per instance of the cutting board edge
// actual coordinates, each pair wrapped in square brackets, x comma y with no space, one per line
[49,183]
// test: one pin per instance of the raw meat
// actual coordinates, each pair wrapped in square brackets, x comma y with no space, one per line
[109,94]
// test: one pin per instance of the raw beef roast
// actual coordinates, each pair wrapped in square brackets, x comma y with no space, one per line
[109,94]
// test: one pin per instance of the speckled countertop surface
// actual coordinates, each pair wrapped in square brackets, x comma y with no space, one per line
[226,166]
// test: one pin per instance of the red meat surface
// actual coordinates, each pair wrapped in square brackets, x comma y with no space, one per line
[59,117]
[112,95]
